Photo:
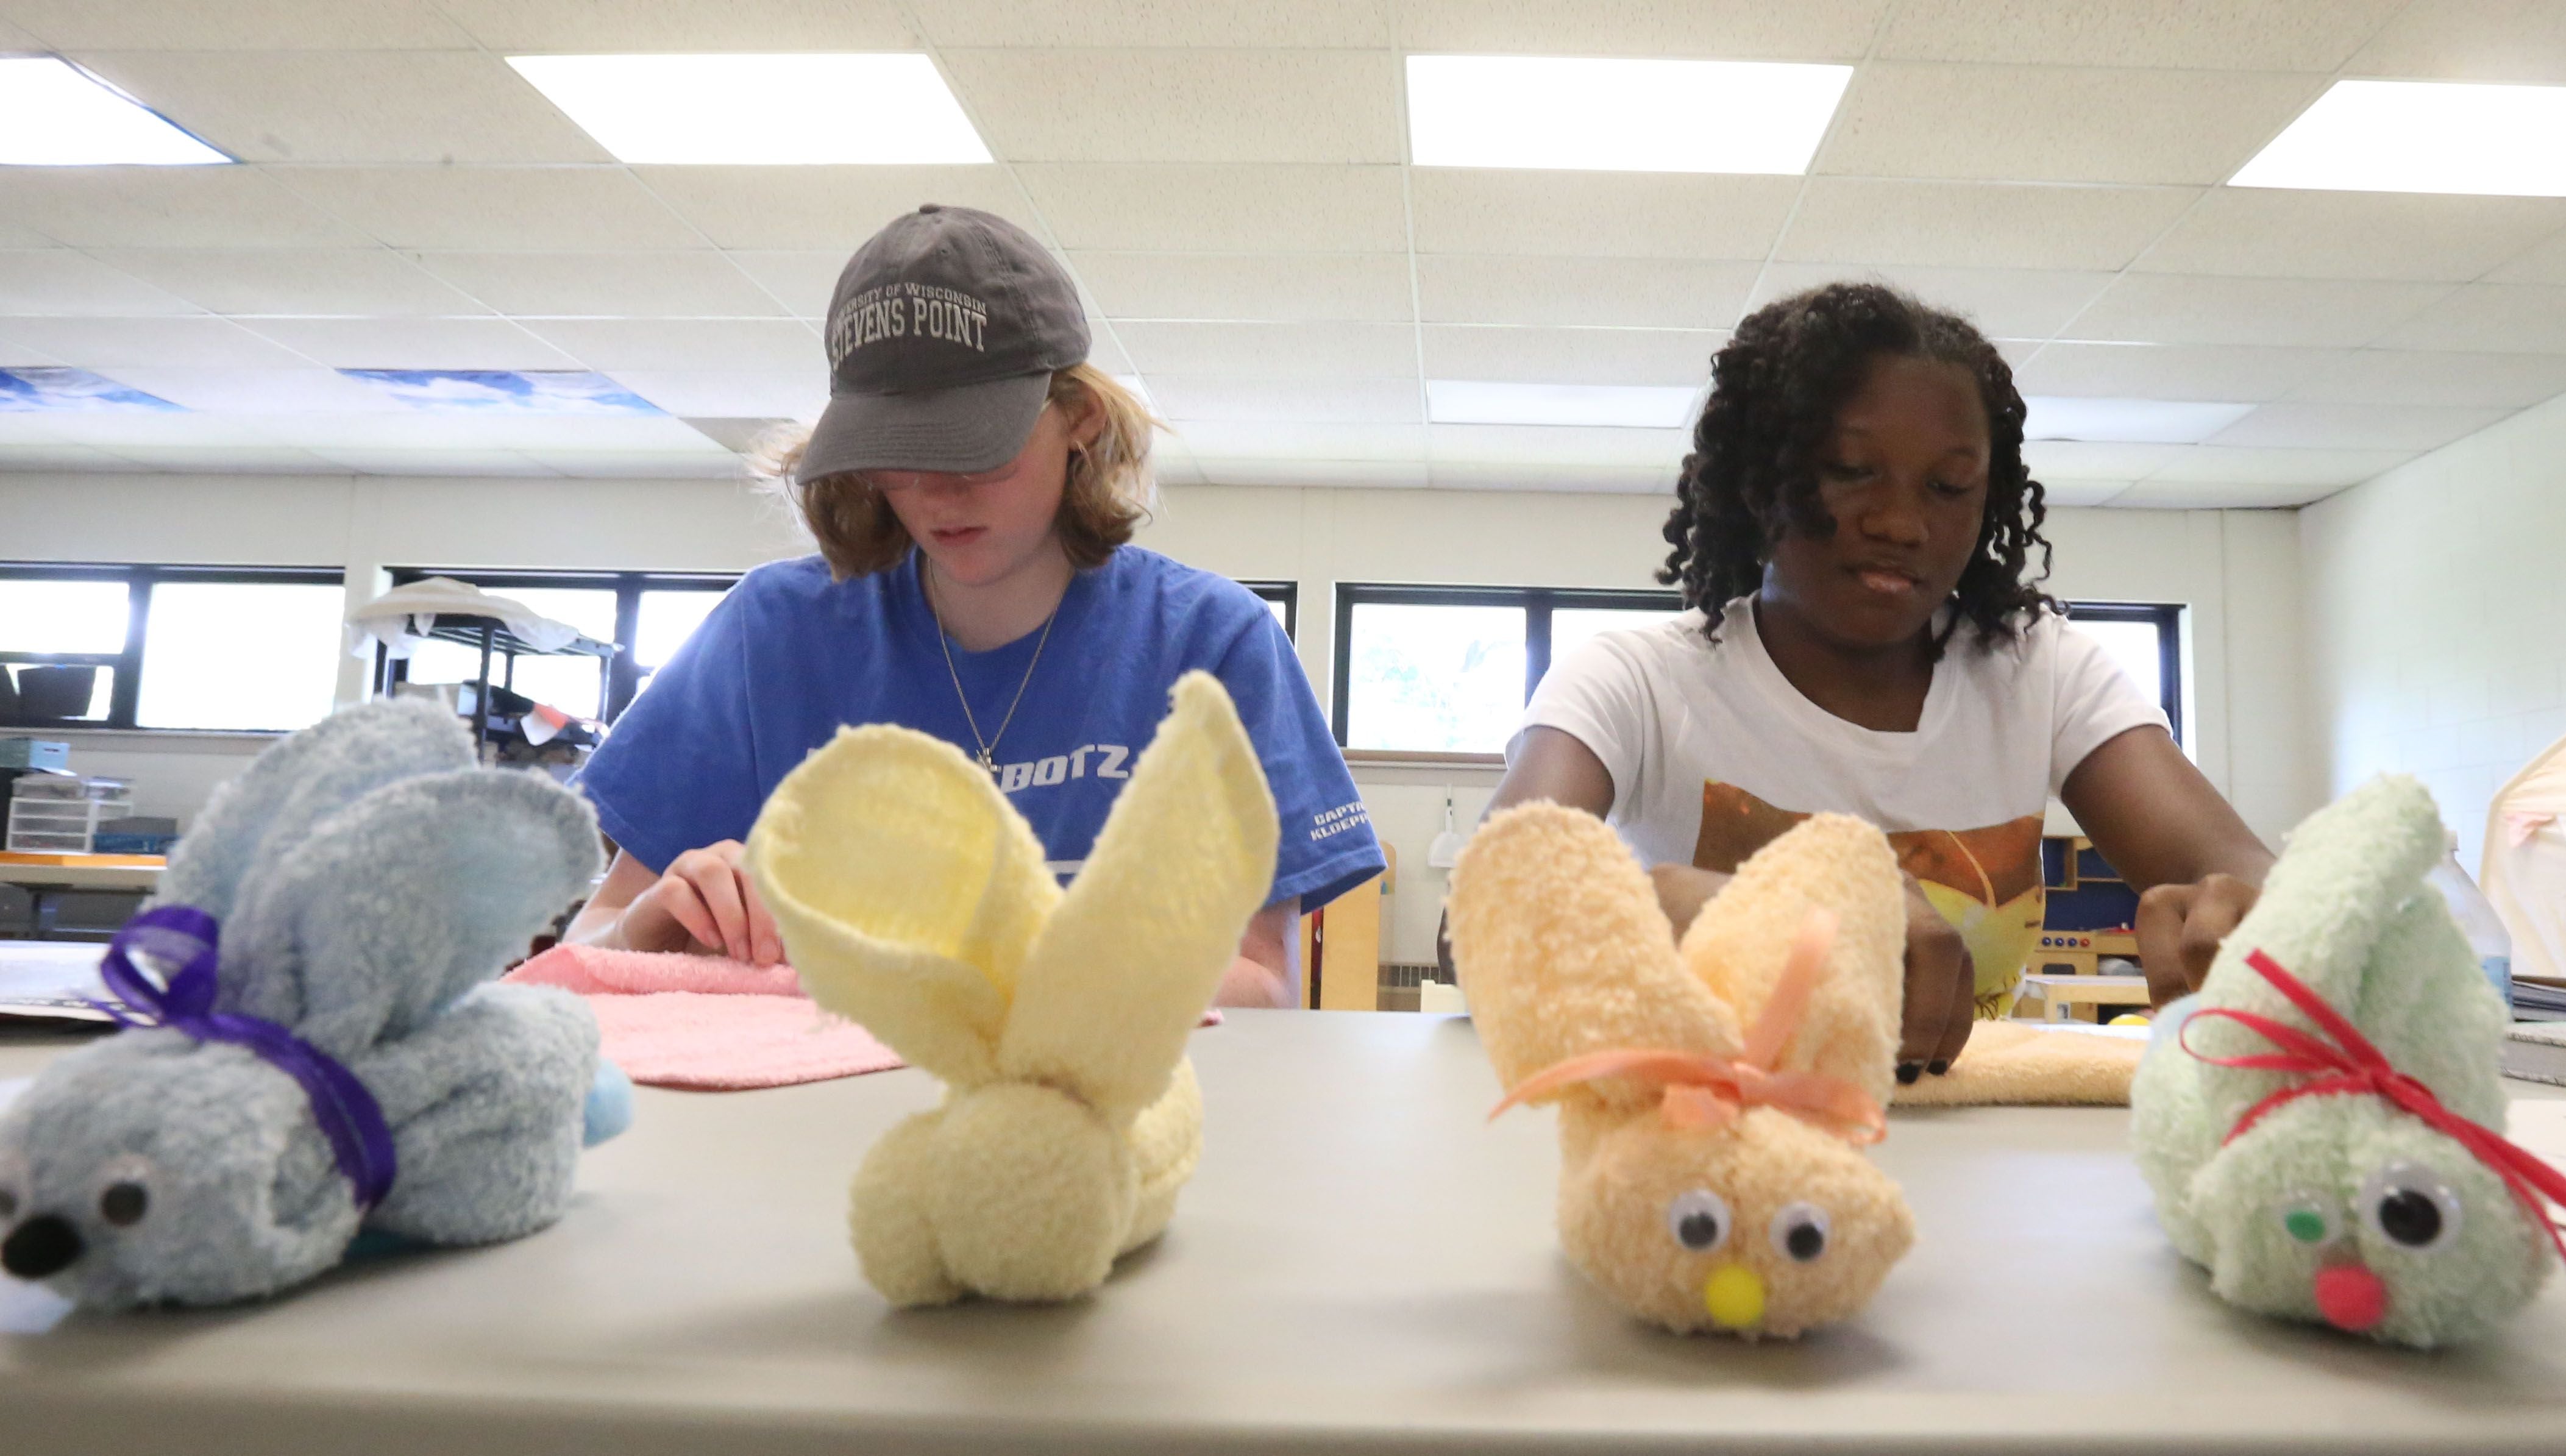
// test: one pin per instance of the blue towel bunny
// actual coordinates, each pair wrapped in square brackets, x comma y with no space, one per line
[323,1049]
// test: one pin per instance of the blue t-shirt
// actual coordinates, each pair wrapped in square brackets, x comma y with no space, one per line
[790,656]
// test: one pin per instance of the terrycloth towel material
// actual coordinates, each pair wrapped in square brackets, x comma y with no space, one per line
[701,1022]
[2008,1066]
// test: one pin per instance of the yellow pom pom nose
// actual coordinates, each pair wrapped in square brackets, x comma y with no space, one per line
[1734,1295]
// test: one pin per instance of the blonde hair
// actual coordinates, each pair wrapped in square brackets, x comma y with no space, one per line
[1106,498]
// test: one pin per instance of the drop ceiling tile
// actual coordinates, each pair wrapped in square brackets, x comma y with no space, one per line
[691,284]
[1559,479]
[18,40]
[229,460]
[414,343]
[2496,316]
[25,455]
[2163,308]
[2179,495]
[2470,40]
[2052,460]
[1159,106]
[2019,123]
[197,342]
[237,25]
[826,208]
[14,236]
[166,207]
[576,208]
[115,429]
[2004,303]
[2407,376]
[295,282]
[1219,209]
[1105,351]
[1572,356]
[625,27]
[2543,263]
[1331,474]
[2357,427]
[1665,293]
[1560,446]
[1277,440]
[1599,214]
[2219,372]
[716,464]
[803,280]
[17,355]
[2294,233]
[2081,492]
[407,430]
[369,461]
[2252,465]
[307,389]
[783,394]
[2235,36]
[1079,24]
[1188,397]
[351,105]
[1272,350]
[57,281]
[714,346]
[1977,224]
[1249,287]
[1732,30]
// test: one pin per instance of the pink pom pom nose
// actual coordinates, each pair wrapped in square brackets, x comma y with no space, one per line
[2351,1298]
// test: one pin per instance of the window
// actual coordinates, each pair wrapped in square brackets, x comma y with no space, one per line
[2145,641]
[1284,600]
[646,615]
[175,647]
[1448,669]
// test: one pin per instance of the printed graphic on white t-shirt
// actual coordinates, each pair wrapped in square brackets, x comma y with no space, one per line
[1712,754]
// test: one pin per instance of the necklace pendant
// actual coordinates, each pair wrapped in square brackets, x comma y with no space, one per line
[987,765]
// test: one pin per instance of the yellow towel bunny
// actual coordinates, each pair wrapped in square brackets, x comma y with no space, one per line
[1711,1096]
[913,899]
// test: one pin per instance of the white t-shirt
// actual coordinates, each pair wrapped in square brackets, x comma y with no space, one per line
[1713,753]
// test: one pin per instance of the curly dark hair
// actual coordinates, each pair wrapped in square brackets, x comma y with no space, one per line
[1775,389]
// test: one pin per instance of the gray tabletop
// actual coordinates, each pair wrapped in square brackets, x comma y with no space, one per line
[1363,1262]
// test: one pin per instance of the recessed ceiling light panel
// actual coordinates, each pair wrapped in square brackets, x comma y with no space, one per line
[55,115]
[2422,136]
[1626,407]
[1568,114]
[770,111]
[2126,421]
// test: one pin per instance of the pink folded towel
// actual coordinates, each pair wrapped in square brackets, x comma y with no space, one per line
[695,1021]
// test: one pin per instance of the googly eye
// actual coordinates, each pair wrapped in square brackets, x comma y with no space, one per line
[1799,1232]
[2308,1219]
[124,1204]
[1698,1220]
[2410,1205]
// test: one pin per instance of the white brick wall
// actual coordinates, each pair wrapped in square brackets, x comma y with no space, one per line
[2436,617]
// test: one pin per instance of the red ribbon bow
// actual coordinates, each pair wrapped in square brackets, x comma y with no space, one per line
[2353,1065]
[1708,1090]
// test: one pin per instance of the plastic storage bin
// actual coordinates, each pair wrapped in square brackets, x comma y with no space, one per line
[61,816]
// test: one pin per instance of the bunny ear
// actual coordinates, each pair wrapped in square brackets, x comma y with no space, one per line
[1741,941]
[1561,946]
[388,910]
[1122,971]
[907,890]
[294,783]
[2342,877]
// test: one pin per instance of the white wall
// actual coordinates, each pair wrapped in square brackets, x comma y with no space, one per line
[2436,617]
[2237,570]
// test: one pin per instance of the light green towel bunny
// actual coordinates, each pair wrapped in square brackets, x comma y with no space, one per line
[2345,1171]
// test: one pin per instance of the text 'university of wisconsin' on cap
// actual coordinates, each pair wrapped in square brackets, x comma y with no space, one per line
[944,335]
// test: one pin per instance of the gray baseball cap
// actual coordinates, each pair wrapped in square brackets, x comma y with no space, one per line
[943,336]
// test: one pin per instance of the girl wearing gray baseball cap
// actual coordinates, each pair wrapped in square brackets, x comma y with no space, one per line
[973,486]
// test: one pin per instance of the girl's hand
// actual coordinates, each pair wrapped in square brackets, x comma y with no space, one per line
[2181,928]
[703,904]
[1942,991]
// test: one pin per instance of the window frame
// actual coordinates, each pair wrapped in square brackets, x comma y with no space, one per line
[2167,618]
[1538,603]
[1287,594]
[623,673]
[125,698]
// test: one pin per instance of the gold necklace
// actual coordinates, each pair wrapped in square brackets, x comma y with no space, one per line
[988,746]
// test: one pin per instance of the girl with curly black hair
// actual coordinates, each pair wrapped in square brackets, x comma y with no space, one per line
[1859,542]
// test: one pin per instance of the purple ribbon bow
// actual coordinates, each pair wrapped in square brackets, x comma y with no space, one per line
[187,938]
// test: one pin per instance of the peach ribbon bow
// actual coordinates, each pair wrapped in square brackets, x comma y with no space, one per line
[1708,1090]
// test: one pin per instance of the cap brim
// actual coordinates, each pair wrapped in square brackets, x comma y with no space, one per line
[962,430]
